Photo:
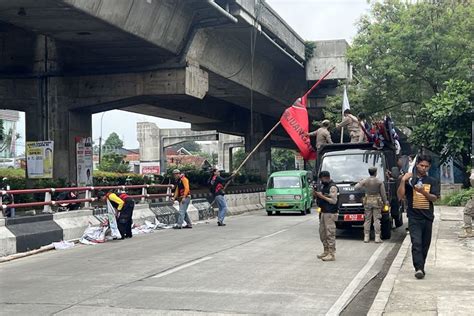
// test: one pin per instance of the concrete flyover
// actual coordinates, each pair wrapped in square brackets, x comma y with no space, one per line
[225,65]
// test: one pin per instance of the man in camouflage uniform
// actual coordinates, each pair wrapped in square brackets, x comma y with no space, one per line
[353,126]
[468,216]
[327,201]
[323,137]
[375,199]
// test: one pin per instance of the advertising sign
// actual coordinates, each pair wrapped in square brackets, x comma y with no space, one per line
[84,161]
[39,159]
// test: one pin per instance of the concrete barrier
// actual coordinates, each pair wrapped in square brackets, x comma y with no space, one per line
[7,240]
[26,233]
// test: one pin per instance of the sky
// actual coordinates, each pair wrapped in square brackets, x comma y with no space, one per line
[311,19]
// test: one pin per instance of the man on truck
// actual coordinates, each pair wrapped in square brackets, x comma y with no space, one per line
[375,198]
[353,126]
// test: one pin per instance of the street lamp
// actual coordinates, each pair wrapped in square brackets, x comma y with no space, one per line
[100,138]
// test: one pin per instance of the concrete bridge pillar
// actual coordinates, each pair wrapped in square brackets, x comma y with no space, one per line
[260,161]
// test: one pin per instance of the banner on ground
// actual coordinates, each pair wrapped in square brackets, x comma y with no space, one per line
[84,161]
[39,159]
[111,215]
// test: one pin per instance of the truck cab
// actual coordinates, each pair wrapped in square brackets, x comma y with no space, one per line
[348,164]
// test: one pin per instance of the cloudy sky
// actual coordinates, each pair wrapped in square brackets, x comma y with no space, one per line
[311,19]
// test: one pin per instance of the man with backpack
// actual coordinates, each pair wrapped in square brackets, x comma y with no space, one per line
[216,186]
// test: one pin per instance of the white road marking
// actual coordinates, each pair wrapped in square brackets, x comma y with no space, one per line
[278,232]
[341,302]
[181,267]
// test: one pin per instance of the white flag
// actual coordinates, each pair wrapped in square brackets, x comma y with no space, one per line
[345,101]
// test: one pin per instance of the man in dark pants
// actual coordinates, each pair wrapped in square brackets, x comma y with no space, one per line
[420,191]
[124,205]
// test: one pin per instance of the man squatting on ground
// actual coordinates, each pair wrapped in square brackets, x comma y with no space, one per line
[420,191]
[182,194]
[327,201]
[375,199]
[216,186]
[124,205]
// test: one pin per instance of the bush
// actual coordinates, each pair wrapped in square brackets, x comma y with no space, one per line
[12,173]
[458,198]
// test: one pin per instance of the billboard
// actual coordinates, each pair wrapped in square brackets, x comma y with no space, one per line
[84,161]
[39,159]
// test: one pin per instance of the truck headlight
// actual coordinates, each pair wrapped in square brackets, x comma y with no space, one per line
[297,197]
[269,198]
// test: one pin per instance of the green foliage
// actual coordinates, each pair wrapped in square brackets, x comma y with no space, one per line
[404,52]
[445,121]
[237,158]
[12,173]
[113,142]
[113,163]
[458,198]
[309,47]
[283,159]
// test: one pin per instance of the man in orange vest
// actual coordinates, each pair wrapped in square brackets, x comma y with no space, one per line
[182,194]
[124,205]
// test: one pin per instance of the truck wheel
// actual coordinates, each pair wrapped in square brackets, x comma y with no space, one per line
[303,213]
[386,226]
[308,211]
[269,213]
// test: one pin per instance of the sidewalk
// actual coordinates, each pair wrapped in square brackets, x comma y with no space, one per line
[447,289]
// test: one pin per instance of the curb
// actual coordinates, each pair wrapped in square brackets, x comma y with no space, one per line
[381,300]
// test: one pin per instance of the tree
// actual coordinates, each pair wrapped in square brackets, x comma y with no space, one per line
[112,162]
[282,159]
[404,51]
[445,124]
[237,158]
[112,143]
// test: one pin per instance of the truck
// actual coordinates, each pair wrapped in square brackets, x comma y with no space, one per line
[348,163]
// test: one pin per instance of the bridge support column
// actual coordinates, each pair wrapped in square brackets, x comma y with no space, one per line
[260,162]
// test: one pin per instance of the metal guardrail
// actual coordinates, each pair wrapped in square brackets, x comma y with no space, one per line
[48,202]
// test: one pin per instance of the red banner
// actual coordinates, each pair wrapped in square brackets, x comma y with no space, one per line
[295,122]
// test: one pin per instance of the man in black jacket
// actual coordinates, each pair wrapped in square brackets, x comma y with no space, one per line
[216,186]
[327,202]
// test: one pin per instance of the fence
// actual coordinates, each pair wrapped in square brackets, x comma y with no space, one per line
[48,202]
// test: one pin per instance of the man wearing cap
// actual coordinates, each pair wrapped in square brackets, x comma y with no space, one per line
[216,186]
[182,194]
[323,137]
[327,202]
[374,200]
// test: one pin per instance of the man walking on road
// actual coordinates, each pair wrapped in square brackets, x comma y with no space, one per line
[216,186]
[375,199]
[420,191]
[327,201]
[182,194]
[322,134]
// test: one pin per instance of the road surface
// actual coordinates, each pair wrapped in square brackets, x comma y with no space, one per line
[257,264]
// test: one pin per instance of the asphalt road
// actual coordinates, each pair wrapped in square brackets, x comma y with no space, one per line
[255,265]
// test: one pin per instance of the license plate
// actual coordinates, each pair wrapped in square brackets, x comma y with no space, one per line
[282,204]
[353,217]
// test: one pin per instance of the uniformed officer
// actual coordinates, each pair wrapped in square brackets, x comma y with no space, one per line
[322,134]
[468,216]
[327,201]
[353,126]
[374,200]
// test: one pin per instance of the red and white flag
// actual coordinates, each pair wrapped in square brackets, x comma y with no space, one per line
[295,121]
